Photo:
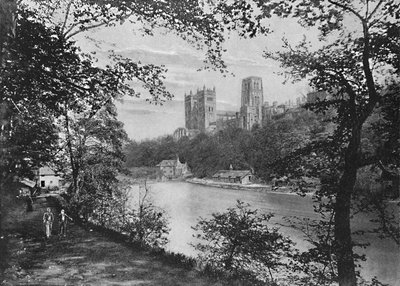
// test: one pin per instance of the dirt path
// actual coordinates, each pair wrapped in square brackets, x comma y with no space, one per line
[87,257]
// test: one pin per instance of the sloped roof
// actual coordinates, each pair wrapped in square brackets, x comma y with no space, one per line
[28,182]
[167,163]
[231,173]
[46,171]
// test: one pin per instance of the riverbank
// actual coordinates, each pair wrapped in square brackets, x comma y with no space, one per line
[90,258]
[211,183]
[87,256]
[247,187]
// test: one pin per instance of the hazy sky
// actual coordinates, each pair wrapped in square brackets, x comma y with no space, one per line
[244,58]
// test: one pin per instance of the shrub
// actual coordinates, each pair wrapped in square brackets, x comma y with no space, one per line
[147,224]
[239,242]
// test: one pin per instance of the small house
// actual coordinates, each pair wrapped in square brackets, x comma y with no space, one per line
[47,178]
[172,169]
[234,176]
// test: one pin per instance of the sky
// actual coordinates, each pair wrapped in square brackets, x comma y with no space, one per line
[244,57]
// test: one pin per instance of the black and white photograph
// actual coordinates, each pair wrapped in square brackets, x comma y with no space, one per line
[200,142]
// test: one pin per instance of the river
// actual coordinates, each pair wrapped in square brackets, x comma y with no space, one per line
[186,202]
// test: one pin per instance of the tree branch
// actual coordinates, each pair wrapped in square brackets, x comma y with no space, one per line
[52,75]
[85,28]
[389,173]
[374,11]
[351,93]
[373,96]
[347,8]
[66,16]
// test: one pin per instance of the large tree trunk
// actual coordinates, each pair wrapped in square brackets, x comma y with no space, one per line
[7,26]
[7,31]
[344,250]
[344,246]
[73,161]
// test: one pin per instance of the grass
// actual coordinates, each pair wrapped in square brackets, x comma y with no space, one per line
[88,256]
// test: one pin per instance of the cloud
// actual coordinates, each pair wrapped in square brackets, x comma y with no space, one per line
[143,120]
[146,49]
[148,55]
[136,111]
[248,62]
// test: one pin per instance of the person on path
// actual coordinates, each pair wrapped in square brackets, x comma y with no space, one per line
[63,222]
[48,222]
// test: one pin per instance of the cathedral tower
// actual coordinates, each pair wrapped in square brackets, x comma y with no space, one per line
[200,109]
[252,101]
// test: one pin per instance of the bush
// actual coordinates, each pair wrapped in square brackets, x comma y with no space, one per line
[148,225]
[145,223]
[240,243]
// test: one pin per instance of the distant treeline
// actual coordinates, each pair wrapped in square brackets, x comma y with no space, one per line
[257,149]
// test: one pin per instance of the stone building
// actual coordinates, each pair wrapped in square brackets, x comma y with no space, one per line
[172,169]
[184,132]
[201,110]
[233,176]
[269,111]
[252,102]
[180,133]
[227,119]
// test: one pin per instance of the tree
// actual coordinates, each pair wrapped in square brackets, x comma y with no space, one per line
[46,72]
[188,19]
[49,78]
[7,27]
[96,150]
[46,80]
[7,31]
[49,68]
[201,155]
[240,242]
[358,66]
[276,139]
[350,69]
[147,224]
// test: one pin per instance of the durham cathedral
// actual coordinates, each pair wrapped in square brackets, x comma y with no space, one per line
[201,113]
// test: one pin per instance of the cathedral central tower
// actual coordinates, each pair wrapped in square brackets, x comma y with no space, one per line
[251,102]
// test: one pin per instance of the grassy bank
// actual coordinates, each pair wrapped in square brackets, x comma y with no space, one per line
[87,256]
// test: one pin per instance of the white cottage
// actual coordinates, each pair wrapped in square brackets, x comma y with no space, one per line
[46,178]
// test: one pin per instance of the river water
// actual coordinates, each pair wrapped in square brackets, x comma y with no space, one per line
[185,203]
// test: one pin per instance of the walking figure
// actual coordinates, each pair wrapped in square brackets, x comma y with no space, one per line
[48,222]
[63,222]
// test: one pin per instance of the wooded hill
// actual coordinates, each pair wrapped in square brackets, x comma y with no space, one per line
[257,149]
